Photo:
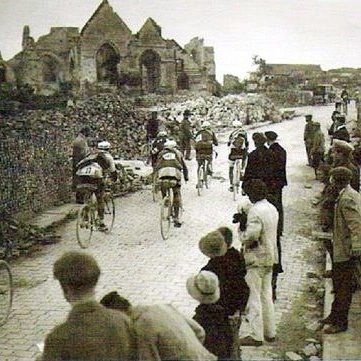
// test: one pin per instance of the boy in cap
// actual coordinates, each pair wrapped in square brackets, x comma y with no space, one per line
[204,287]
[163,333]
[91,332]
[318,147]
[308,137]
[186,135]
[346,249]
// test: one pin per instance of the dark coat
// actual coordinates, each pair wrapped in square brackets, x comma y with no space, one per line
[341,133]
[214,320]
[257,164]
[277,175]
[231,270]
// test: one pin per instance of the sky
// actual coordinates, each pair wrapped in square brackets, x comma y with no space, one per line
[324,32]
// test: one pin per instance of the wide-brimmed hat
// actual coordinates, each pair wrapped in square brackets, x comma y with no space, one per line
[271,135]
[204,287]
[341,174]
[213,244]
[342,146]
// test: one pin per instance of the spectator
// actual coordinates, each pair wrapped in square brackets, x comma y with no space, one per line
[318,147]
[308,137]
[346,249]
[229,265]
[80,151]
[90,332]
[204,287]
[186,135]
[340,130]
[162,332]
[152,126]
[260,253]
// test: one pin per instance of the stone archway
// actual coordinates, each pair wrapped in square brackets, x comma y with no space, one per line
[150,70]
[107,60]
[50,69]
[183,81]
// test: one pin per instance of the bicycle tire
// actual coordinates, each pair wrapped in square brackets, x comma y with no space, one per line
[6,292]
[109,212]
[200,180]
[236,179]
[84,228]
[205,173]
[165,217]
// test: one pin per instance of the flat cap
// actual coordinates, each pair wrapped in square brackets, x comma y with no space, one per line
[213,244]
[271,135]
[342,146]
[259,138]
[341,174]
[308,116]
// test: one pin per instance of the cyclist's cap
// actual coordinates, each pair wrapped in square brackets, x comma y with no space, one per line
[170,144]
[206,124]
[271,135]
[77,270]
[213,244]
[236,123]
[103,145]
[342,146]
[162,133]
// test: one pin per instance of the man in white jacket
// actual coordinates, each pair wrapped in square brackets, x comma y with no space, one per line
[259,242]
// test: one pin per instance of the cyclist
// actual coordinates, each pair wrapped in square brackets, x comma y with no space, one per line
[205,138]
[170,163]
[157,146]
[238,146]
[91,172]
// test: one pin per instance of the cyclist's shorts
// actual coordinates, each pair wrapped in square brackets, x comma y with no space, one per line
[237,154]
[202,156]
[85,183]
[168,182]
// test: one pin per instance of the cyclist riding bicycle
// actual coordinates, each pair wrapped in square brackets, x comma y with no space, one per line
[205,138]
[238,144]
[170,164]
[91,173]
[157,146]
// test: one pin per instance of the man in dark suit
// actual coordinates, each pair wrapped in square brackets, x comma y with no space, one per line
[277,179]
[91,332]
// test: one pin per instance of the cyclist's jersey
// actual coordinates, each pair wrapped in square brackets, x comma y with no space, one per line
[169,164]
[204,140]
[94,165]
[238,139]
[158,144]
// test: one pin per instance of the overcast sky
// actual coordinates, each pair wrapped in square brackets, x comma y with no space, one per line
[325,32]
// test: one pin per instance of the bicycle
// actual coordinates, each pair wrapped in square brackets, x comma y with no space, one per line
[145,152]
[236,177]
[6,291]
[202,175]
[88,219]
[167,207]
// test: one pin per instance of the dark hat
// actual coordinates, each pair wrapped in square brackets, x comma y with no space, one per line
[308,116]
[259,138]
[271,135]
[187,112]
[341,174]
[77,270]
[115,301]
[213,244]
[342,146]
[227,234]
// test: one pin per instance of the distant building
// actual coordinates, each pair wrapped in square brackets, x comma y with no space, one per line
[106,53]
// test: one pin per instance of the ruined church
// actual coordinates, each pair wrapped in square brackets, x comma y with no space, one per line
[105,53]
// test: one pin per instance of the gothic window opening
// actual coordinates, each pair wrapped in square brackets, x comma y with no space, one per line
[2,74]
[50,69]
[183,81]
[71,67]
[107,61]
[150,70]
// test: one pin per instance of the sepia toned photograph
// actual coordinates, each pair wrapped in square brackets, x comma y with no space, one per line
[180,180]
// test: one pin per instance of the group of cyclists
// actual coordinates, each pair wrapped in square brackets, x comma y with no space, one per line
[167,160]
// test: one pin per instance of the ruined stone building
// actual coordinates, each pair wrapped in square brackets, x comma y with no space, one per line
[105,53]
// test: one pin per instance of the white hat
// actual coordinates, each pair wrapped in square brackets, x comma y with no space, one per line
[204,287]
[103,145]
[206,124]
[244,205]
[236,123]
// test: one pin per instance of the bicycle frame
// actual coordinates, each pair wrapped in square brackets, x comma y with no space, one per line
[236,177]
[202,174]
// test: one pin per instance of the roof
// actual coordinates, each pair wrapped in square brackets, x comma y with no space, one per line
[291,68]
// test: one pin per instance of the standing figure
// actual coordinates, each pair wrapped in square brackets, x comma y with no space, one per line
[346,249]
[340,130]
[152,127]
[80,151]
[318,147]
[186,135]
[307,137]
[238,148]
[259,242]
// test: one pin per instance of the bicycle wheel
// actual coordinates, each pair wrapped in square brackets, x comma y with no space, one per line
[205,173]
[155,188]
[84,226]
[200,179]
[109,212]
[165,216]
[6,291]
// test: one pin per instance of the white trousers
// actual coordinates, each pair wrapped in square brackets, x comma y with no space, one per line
[260,307]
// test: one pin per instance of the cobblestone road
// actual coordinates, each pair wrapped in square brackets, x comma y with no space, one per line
[146,269]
